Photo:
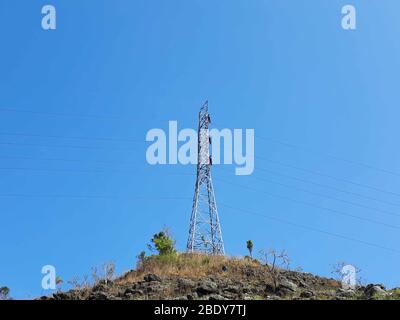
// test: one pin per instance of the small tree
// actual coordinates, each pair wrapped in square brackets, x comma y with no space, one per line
[163,243]
[59,283]
[104,273]
[5,293]
[141,258]
[109,270]
[249,245]
[275,262]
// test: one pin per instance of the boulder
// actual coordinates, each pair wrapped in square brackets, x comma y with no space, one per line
[99,295]
[206,287]
[269,288]
[151,277]
[286,287]
[185,284]
[307,294]
[372,290]
[284,283]
[133,292]
[232,289]
[345,293]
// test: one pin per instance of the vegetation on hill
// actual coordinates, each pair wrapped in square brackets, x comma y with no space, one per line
[168,274]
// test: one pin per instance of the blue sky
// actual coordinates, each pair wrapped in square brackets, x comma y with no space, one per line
[77,102]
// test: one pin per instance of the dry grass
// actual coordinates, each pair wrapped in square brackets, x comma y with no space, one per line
[191,266]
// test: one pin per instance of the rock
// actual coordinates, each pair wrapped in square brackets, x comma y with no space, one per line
[192,296]
[232,289]
[342,294]
[154,287]
[249,272]
[269,288]
[372,290]
[282,292]
[286,287]
[231,296]
[132,292]
[307,294]
[152,277]
[61,296]
[98,296]
[69,295]
[130,296]
[347,293]
[207,287]
[185,284]
[286,284]
[100,286]
[216,297]
[248,288]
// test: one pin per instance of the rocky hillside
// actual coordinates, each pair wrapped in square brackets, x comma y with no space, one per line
[218,278]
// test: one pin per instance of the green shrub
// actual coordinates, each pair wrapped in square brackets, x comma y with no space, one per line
[163,243]
[249,245]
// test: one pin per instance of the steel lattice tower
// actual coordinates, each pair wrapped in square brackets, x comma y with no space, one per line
[205,234]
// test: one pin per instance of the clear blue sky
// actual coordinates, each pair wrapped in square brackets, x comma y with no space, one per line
[76,103]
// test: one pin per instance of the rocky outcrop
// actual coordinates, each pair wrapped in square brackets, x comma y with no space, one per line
[253,285]
[375,290]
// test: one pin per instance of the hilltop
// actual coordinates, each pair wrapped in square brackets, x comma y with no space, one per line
[196,276]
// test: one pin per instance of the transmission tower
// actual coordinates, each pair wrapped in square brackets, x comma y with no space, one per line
[205,234]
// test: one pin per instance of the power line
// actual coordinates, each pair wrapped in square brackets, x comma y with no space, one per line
[330,176]
[67,137]
[311,228]
[258,178]
[258,168]
[85,171]
[261,179]
[104,116]
[59,146]
[253,189]
[326,196]
[56,170]
[313,205]
[61,159]
[120,117]
[328,187]
[62,196]
[260,158]
[312,150]
[308,149]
